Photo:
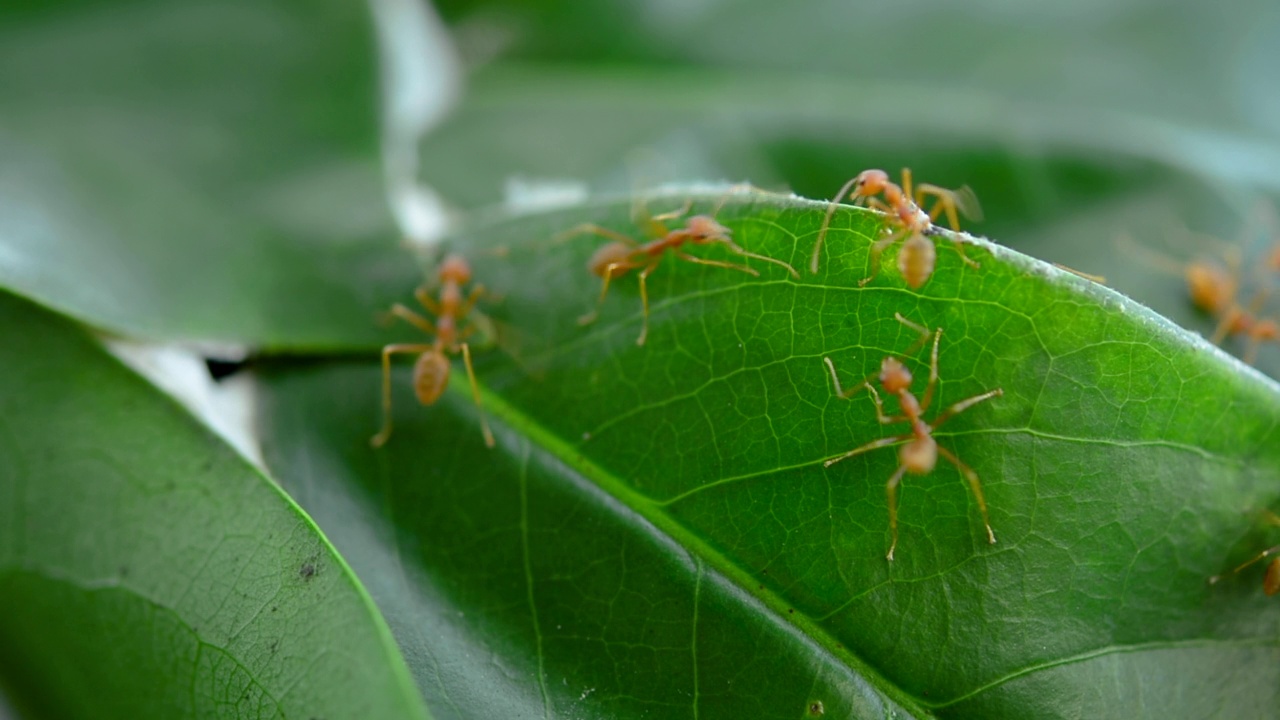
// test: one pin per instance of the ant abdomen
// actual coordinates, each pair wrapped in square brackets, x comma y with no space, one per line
[916,260]
[430,376]
[615,254]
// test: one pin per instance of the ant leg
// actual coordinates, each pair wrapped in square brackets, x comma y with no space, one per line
[413,318]
[593,229]
[963,200]
[840,391]
[656,225]
[425,300]
[963,405]
[884,419]
[604,290]
[715,263]
[933,373]
[891,496]
[477,292]
[906,184]
[974,263]
[475,395]
[878,205]
[826,223]
[1230,319]
[975,485]
[876,249]
[924,333]
[1271,583]
[381,438]
[644,300]
[873,445]
[738,249]
[673,214]
[944,201]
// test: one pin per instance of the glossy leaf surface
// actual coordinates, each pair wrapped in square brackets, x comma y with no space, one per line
[146,571]
[1118,467]
[161,162]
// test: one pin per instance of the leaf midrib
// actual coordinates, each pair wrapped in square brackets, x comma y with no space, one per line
[701,553]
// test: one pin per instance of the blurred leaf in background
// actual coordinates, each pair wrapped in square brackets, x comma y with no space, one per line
[654,535]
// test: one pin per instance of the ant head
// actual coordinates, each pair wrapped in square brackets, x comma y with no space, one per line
[705,229]
[870,182]
[455,268]
[894,376]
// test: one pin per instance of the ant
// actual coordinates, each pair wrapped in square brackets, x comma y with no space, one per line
[1271,579]
[625,254]
[920,454]
[431,371]
[906,221]
[1214,289]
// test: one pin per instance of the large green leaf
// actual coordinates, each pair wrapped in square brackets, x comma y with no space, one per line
[163,163]
[638,492]
[146,571]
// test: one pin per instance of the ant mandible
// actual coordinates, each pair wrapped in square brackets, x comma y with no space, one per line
[1271,579]
[906,221]
[431,371]
[625,254]
[920,453]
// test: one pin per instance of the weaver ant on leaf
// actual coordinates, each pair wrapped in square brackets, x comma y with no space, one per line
[431,371]
[624,254]
[920,453]
[906,221]
[1271,579]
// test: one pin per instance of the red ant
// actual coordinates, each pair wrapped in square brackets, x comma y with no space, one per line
[431,371]
[1271,579]
[624,254]
[906,221]
[920,454]
[1214,290]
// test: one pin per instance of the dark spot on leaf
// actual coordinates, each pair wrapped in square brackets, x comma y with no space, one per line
[123,571]
[791,611]
[307,571]
[274,608]
[816,708]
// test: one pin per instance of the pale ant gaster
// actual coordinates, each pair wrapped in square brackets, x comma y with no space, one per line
[920,453]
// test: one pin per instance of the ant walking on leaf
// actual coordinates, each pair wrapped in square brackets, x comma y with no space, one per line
[920,453]
[623,254]
[431,371]
[1271,579]
[906,221]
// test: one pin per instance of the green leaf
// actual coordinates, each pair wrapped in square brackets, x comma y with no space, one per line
[656,521]
[184,171]
[146,571]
